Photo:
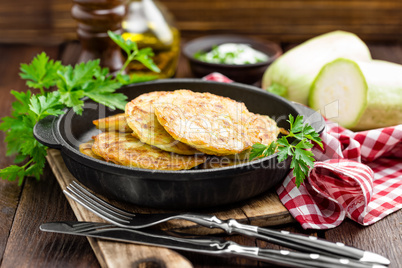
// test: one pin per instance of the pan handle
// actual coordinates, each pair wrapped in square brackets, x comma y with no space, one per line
[43,132]
[313,118]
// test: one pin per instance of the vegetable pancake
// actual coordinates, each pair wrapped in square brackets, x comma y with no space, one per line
[124,149]
[212,124]
[142,120]
[86,148]
[259,129]
[115,122]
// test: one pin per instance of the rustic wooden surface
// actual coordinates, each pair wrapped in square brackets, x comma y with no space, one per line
[25,207]
[49,21]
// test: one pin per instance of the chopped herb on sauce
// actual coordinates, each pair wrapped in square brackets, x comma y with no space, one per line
[230,53]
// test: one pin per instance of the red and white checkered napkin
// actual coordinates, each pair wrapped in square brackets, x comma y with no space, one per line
[357,175]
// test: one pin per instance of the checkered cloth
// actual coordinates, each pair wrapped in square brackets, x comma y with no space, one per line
[357,175]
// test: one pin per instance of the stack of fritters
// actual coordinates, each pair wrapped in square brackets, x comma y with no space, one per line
[180,129]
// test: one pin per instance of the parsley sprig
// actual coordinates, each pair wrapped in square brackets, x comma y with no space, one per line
[295,144]
[61,87]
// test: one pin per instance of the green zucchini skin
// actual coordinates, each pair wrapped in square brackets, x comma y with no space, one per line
[292,74]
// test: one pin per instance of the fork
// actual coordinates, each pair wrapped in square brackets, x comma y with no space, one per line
[303,243]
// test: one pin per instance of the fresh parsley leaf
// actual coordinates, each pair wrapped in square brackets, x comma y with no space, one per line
[113,101]
[299,149]
[12,172]
[14,128]
[89,80]
[41,73]
[20,107]
[77,77]
[19,133]
[73,100]
[134,78]
[258,150]
[46,105]
[143,55]
[126,45]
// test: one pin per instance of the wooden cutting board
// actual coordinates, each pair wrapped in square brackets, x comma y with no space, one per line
[265,210]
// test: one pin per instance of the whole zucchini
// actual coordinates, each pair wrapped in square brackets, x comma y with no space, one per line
[292,74]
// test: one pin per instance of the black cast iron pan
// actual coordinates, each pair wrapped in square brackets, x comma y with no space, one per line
[178,190]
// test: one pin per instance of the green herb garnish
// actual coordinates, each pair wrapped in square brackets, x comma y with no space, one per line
[295,144]
[71,84]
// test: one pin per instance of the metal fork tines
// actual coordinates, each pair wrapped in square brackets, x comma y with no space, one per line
[113,214]
[303,243]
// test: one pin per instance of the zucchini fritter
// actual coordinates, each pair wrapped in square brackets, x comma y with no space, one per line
[115,122]
[124,149]
[261,129]
[142,120]
[86,148]
[212,124]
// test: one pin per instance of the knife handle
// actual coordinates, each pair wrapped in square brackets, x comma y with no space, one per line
[295,241]
[307,243]
[282,257]
[291,259]
[314,260]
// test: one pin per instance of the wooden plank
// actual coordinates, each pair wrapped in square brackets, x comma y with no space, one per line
[41,201]
[38,22]
[288,20]
[9,198]
[49,22]
[384,237]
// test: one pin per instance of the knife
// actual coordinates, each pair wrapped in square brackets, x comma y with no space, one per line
[299,242]
[204,245]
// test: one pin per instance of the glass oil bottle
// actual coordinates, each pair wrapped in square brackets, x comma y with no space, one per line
[149,24]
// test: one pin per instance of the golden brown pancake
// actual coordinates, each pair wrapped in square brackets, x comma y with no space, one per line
[212,124]
[259,129]
[126,150]
[86,148]
[115,122]
[142,120]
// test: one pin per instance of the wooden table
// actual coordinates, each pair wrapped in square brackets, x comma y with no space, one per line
[25,207]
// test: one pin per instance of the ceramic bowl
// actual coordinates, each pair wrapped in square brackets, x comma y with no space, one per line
[246,73]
